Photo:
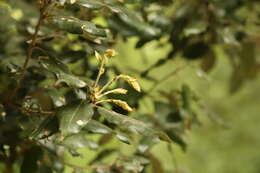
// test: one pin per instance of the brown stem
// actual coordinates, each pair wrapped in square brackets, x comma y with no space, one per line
[39,38]
[31,110]
[30,48]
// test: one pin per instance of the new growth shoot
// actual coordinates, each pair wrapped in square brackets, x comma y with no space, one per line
[98,92]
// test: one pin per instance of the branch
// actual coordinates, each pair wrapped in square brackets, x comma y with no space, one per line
[163,79]
[31,47]
[114,79]
[31,110]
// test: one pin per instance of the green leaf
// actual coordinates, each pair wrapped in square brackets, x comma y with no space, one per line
[76,26]
[47,127]
[177,139]
[131,20]
[80,94]
[54,65]
[71,80]
[79,141]
[130,124]
[123,138]
[74,117]
[57,98]
[28,124]
[126,21]
[90,4]
[61,71]
[101,155]
[134,163]
[97,127]
[98,4]
[147,142]
[116,24]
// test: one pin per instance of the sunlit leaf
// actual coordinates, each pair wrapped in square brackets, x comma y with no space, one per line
[79,141]
[123,138]
[90,4]
[76,26]
[97,127]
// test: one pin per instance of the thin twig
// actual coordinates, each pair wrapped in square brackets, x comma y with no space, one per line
[108,84]
[31,110]
[39,38]
[102,101]
[38,111]
[30,48]
[111,92]
[159,82]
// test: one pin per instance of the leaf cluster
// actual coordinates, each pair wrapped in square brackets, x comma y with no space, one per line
[55,100]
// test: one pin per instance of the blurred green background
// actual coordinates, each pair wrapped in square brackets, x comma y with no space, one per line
[211,148]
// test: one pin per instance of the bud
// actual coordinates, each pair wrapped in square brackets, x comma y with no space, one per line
[98,56]
[132,82]
[110,53]
[123,105]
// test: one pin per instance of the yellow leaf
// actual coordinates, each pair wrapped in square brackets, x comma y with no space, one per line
[98,56]
[123,105]
[132,82]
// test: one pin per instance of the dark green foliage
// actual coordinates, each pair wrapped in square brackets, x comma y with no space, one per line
[31,157]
